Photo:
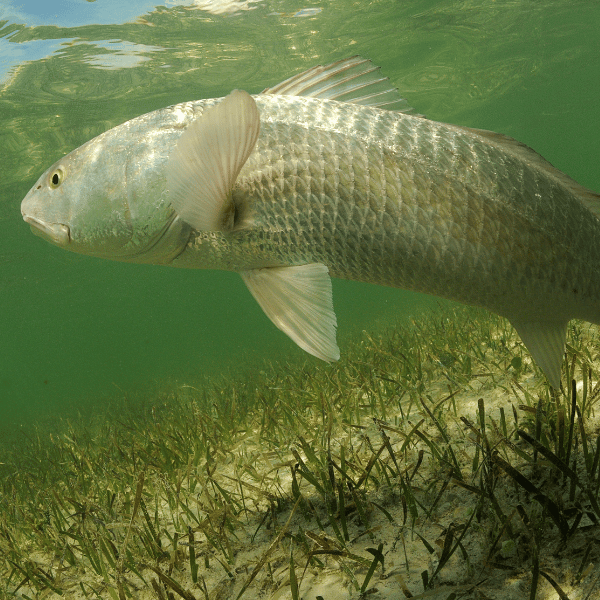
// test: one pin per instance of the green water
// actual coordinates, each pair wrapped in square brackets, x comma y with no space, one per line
[78,331]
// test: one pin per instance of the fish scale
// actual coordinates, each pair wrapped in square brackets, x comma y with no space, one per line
[292,186]
[424,209]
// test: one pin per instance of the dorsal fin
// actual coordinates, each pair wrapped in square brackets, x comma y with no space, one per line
[353,79]
[587,197]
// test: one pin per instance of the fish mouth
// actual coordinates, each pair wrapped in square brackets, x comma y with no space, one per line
[56,233]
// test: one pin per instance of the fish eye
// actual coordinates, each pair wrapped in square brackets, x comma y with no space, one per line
[57,178]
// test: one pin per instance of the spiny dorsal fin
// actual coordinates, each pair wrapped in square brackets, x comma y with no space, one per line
[209,155]
[526,154]
[299,302]
[353,79]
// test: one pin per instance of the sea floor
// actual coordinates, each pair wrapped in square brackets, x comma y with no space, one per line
[433,461]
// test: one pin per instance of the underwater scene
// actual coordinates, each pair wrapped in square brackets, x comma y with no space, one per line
[160,434]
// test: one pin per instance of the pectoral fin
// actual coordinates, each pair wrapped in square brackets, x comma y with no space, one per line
[546,341]
[209,155]
[299,301]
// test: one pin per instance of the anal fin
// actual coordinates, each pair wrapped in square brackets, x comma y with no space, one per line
[546,342]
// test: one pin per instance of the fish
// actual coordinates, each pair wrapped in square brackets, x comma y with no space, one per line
[331,173]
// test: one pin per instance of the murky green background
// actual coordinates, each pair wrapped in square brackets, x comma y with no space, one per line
[77,331]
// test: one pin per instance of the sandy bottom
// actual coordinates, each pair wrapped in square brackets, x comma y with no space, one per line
[474,571]
[490,562]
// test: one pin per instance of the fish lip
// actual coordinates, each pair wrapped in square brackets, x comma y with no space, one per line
[57,233]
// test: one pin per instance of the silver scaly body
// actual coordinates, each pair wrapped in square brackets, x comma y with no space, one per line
[397,200]
[375,195]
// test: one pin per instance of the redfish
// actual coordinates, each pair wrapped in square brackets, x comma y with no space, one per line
[330,174]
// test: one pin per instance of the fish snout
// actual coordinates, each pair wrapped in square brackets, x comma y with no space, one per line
[56,233]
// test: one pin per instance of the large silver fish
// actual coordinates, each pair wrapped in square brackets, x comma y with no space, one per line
[328,174]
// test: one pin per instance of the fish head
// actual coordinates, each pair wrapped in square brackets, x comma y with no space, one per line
[108,199]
